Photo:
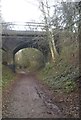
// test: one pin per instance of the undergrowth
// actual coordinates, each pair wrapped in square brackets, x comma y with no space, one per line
[7,76]
[64,72]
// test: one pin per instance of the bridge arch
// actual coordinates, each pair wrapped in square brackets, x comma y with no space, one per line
[42,49]
[13,41]
[29,58]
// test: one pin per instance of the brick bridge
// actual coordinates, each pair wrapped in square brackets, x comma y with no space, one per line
[14,40]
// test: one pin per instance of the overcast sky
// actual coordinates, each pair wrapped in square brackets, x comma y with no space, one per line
[21,10]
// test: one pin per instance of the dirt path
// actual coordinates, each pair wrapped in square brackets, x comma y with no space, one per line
[27,100]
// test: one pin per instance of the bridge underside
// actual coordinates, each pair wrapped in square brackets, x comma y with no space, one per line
[13,41]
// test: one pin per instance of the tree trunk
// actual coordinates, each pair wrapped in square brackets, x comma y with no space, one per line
[49,33]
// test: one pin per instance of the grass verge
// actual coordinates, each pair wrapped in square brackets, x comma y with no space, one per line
[7,76]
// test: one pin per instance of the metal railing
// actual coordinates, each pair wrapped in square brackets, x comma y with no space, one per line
[26,26]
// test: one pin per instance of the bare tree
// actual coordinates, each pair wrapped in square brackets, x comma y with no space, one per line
[45,9]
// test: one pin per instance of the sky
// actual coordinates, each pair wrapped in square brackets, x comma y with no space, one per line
[21,10]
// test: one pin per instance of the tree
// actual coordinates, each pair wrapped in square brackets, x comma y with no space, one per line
[45,9]
[69,15]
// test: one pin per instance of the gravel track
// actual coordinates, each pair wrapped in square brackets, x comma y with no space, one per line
[27,100]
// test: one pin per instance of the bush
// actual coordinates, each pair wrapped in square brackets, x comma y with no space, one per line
[7,76]
[69,86]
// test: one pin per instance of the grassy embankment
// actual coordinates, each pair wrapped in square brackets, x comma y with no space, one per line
[64,72]
[7,76]
[0,75]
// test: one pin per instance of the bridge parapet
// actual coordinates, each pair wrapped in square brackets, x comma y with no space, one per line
[26,26]
[23,33]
